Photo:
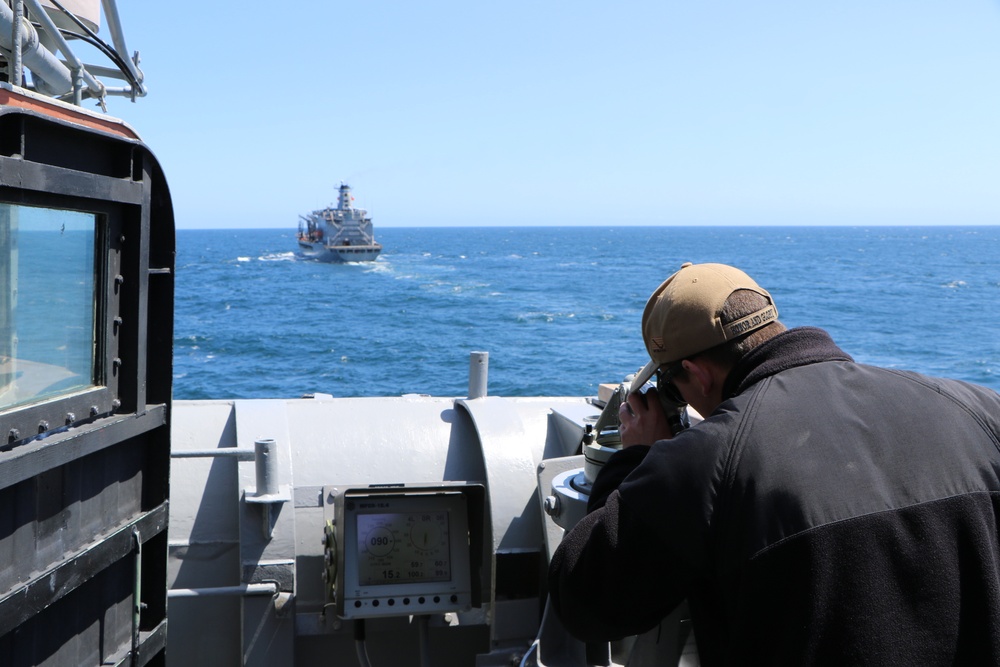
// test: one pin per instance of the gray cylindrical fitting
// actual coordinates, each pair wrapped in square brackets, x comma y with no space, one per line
[266,464]
[479,368]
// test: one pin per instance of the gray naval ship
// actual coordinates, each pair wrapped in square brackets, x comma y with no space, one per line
[138,530]
[341,234]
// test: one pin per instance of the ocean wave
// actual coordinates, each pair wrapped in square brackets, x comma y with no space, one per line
[540,316]
[278,257]
[558,325]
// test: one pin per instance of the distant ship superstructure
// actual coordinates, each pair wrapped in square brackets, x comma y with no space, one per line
[341,234]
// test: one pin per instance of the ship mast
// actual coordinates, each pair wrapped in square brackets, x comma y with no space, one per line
[344,202]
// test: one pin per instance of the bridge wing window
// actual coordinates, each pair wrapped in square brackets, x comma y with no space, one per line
[47,303]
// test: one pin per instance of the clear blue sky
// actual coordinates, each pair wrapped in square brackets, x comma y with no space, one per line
[552,112]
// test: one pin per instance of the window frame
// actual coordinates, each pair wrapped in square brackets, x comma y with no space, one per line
[27,421]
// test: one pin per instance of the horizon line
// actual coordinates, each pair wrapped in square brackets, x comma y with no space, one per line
[639,226]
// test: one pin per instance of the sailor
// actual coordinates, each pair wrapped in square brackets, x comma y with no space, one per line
[825,511]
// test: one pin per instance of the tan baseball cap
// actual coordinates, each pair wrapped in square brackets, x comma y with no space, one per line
[682,317]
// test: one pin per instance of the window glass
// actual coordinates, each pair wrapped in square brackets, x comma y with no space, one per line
[47,333]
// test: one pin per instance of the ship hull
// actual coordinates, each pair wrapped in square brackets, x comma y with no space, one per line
[339,254]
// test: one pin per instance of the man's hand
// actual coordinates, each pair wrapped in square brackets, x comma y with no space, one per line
[642,419]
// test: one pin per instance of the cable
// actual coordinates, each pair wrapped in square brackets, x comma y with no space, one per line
[106,49]
[359,643]
[95,41]
[425,649]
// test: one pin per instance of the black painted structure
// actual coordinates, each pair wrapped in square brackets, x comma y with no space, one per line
[84,476]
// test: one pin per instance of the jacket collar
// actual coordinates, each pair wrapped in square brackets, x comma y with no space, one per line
[796,347]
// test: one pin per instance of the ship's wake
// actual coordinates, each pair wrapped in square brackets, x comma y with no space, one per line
[277,257]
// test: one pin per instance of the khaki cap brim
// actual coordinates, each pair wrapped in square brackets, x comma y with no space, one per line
[643,377]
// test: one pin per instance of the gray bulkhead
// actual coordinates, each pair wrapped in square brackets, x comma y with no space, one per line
[241,596]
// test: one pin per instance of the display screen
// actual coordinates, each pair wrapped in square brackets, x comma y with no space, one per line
[403,548]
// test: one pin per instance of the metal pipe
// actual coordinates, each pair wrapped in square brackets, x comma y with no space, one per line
[16,75]
[106,73]
[269,588]
[118,39]
[479,369]
[121,92]
[42,62]
[77,86]
[266,464]
[238,454]
[96,87]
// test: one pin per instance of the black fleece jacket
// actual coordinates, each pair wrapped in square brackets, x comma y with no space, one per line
[827,512]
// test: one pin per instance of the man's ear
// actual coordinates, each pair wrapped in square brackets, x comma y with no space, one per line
[700,375]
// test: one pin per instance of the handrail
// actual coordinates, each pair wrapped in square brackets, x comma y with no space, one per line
[266,588]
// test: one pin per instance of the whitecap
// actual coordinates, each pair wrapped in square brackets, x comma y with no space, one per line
[242,259]
[278,257]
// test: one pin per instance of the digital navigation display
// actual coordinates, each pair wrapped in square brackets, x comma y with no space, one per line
[403,548]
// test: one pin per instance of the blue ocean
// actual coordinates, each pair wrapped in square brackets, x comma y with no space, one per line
[558,309]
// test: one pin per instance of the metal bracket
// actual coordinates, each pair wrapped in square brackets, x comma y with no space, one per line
[268,492]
